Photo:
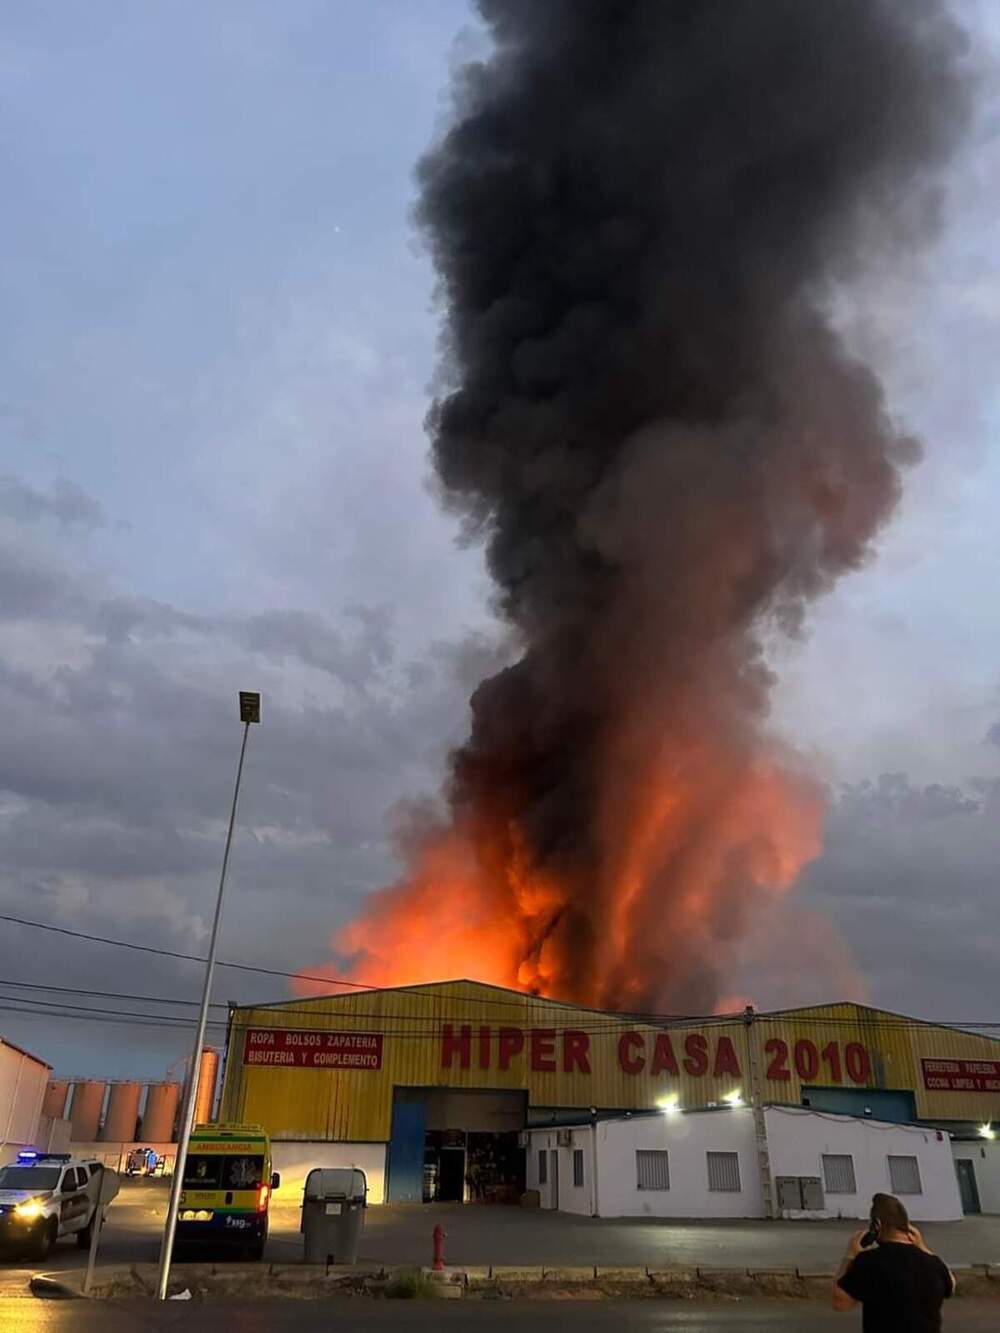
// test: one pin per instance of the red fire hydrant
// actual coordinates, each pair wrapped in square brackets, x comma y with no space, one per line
[439,1234]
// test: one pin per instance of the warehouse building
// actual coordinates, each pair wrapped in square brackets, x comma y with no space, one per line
[23,1078]
[435,1090]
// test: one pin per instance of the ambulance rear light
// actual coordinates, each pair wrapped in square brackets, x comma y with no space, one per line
[263,1194]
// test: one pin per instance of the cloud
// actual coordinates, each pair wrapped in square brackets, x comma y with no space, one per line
[120,740]
[65,501]
[908,874]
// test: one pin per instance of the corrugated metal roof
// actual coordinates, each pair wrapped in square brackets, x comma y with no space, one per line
[430,989]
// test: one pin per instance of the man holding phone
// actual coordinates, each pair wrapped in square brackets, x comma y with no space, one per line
[889,1270]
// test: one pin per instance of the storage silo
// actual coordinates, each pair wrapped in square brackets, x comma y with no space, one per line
[123,1111]
[56,1093]
[160,1115]
[208,1076]
[85,1110]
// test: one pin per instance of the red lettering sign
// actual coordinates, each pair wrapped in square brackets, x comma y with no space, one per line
[859,1065]
[961,1075]
[295,1048]
[543,1050]
[509,1043]
[663,1055]
[627,1042]
[576,1046]
[806,1060]
[696,1052]
[725,1059]
[831,1054]
[778,1068]
[452,1046]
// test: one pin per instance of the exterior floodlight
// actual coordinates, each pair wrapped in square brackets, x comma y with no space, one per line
[249,706]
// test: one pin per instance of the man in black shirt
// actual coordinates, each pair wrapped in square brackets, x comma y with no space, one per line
[892,1273]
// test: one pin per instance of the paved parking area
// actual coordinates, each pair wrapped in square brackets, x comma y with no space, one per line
[478,1235]
[475,1234]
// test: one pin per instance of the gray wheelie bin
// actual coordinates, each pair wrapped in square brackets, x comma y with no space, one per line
[333,1212]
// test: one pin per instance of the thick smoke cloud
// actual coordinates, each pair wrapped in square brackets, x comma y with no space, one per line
[638,218]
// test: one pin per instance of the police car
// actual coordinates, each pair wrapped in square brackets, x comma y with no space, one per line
[45,1196]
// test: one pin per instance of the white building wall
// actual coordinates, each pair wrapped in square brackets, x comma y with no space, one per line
[797,1141]
[295,1160]
[572,1198]
[23,1081]
[687,1138]
[985,1158]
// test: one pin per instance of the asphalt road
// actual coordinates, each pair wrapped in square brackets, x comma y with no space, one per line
[480,1235]
[32,1316]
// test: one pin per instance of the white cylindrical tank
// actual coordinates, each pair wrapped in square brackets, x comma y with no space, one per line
[160,1115]
[85,1110]
[123,1111]
[208,1075]
[56,1093]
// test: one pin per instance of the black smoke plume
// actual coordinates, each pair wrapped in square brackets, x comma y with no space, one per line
[638,218]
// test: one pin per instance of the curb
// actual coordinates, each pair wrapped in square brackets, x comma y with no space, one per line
[55,1287]
[304,1281]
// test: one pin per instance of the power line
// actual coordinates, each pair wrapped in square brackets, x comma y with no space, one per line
[62,1010]
[416,991]
[611,1024]
[243,967]
[124,1020]
[103,994]
[430,1029]
[433,1022]
[601,1023]
[88,1009]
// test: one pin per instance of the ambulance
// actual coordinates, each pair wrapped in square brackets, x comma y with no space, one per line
[227,1187]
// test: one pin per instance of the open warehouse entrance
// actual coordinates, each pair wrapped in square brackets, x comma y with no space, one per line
[449,1145]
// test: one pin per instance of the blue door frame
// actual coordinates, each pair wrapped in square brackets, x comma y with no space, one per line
[405,1182]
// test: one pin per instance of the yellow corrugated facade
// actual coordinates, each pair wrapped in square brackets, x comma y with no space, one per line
[836,1046]
[896,1045]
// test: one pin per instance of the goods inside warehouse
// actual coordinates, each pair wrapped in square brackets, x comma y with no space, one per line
[435,1090]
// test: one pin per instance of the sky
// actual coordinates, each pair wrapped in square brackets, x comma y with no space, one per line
[217,346]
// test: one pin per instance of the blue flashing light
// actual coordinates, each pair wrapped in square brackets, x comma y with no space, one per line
[27,1155]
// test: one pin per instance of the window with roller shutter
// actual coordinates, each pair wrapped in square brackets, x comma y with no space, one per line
[904,1175]
[838,1173]
[652,1169]
[723,1172]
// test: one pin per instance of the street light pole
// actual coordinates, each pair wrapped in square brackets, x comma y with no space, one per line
[249,713]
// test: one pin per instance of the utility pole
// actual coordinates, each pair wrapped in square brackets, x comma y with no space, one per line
[249,713]
[757,1109]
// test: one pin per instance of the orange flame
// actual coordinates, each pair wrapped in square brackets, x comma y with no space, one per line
[690,851]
